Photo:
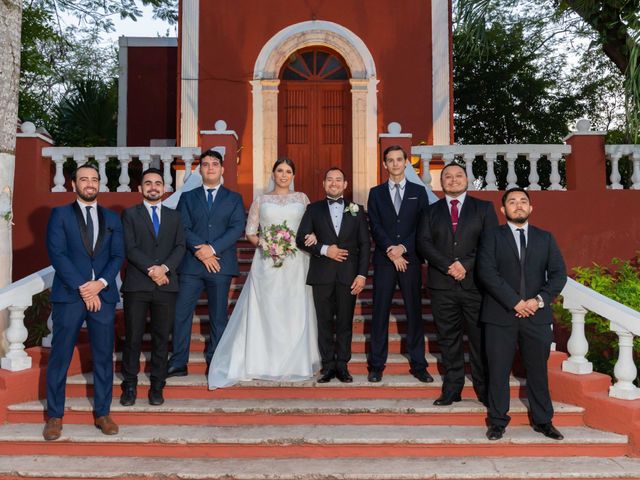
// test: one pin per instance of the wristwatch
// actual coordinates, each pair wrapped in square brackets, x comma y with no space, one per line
[540,301]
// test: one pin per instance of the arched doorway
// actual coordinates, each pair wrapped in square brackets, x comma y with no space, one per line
[314,116]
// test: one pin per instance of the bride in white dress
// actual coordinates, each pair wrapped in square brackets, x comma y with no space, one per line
[272,333]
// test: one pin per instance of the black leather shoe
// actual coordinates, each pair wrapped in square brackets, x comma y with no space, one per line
[177,372]
[128,396]
[447,399]
[548,430]
[422,375]
[327,376]
[155,396]
[495,432]
[343,375]
[374,376]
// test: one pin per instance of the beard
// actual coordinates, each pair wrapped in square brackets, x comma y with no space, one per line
[519,218]
[87,198]
[152,196]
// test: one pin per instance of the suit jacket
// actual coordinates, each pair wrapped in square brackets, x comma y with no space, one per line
[440,246]
[143,249]
[354,237]
[389,228]
[73,258]
[220,227]
[499,272]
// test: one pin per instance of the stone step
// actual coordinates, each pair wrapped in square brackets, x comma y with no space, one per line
[312,441]
[396,363]
[292,411]
[194,385]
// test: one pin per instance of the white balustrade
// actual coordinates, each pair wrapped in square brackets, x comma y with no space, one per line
[577,346]
[124,155]
[625,370]
[490,153]
[615,153]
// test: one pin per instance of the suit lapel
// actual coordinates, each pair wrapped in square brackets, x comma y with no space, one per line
[101,230]
[347,221]
[203,199]
[508,235]
[443,215]
[143,213]
[466,214]
[326,213]
[220,196]
[82,226]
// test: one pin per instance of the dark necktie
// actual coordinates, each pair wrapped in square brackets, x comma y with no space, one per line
[523,256]
[89,226]
[210,197]
[397,199]
[335,200]
[454,214]
[155,219]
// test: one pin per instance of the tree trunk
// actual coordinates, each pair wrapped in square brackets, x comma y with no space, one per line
[10,24]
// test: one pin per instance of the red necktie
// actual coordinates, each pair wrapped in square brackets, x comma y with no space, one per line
[454,214]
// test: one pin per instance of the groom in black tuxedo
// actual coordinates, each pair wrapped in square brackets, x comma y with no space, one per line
[337,271]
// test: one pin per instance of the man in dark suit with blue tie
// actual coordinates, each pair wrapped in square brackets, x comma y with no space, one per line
[448,237]
[86,249]
[522,270]
[155,245]
[214,219]
[395,208]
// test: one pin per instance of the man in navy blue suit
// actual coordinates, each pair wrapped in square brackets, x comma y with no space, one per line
[395,208]
[214,218]
[86,249]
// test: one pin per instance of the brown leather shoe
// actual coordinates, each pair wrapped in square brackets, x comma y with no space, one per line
[52,429]
[107,425]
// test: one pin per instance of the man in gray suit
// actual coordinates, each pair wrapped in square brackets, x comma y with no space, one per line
[155,244]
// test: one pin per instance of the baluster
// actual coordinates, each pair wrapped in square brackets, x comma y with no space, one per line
[46,341]
[468,165]
[625,370]
[512,178]
[168,181]
[448,158]
[188,166]
[124,179]
[490,158]
[16,358]
[533,172]
[635,178]
[145,160]
[80,159]
[58,178]
[578,346]
[554,178]
[615,172]
[426,173]
[102,168]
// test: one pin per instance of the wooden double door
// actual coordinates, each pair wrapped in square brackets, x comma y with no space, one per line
[314,117]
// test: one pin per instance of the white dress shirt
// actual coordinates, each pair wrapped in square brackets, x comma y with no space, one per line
[516,233]
[392,188]
[460,199]
[96,228]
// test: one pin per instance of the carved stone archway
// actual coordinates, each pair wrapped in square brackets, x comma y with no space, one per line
[363,89]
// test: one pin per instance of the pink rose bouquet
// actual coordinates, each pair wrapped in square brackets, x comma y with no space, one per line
[277,242]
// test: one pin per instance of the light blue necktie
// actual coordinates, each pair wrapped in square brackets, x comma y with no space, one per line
[155,219]
[210,196]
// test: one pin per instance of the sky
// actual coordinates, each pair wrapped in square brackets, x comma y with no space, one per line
[146,26]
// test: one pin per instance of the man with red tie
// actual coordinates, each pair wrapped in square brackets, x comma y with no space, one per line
[448,237]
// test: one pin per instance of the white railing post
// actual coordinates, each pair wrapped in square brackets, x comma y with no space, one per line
[554,178]
[512,178]
[46,341]
[577,345]
[468,164]
[145,160]
[615,172]
[16,358]
[625,370]
[426,172]
[635,178]
[58,178]
[124,179]
[534,178]
[188,166]
[102,168]
[490,158]
[168,181]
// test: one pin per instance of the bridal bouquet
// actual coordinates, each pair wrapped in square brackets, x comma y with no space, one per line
[277,242]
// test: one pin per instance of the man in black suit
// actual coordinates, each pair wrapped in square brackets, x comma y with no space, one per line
[522,270]
[448,237]
[155,244]
[394,209]
[337,271]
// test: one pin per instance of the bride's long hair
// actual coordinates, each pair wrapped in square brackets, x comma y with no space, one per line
[287,161]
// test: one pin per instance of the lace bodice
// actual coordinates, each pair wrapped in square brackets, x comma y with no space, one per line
[272,209]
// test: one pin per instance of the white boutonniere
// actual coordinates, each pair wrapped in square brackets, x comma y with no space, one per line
[352,208]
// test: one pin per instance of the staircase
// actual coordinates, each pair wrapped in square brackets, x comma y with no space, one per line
[262,430]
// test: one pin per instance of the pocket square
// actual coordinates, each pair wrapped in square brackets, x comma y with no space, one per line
[412,198]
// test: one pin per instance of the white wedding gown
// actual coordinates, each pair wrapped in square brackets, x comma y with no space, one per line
[272,333]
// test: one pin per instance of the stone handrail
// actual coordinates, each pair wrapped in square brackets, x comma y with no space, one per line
[146,155]
[614,153]
[17,297]
[532,153]
[625,321]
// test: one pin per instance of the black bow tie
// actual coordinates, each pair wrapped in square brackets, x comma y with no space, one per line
[337,200]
